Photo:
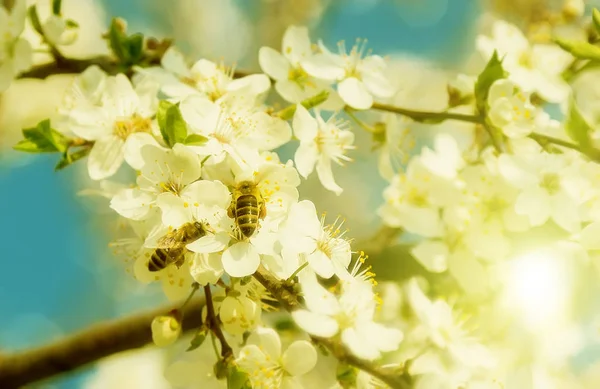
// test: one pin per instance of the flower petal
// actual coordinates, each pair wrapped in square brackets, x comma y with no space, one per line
[323,66]
[321,264]
[133,148]
[273,63]
[355,94]
[296,44]
[305,126]
[132,203]
[305,158]
[315,324]
[206,268]
[267,340]
[299,358]
[106,157]
[210,243]
[433,255]
[240,260]
[208,193]
[326,176]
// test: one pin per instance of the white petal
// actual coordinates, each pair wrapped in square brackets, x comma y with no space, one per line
[299,358]
[565,212]
[534,202]
[254,84]
[590,236]
[22,55]
[267,340]
[321,264]
[174,61]
[323,66]
[132,203]
[326,176]
[355,94]
[315,324]
[273,63]
[296,44]
[376,82]
[121,96]
[133,148]
[206,268]
[305,126]
[433,255]
[359,345]
[208,193]
[241,260]
[6,74]
[210,243]
[305,158]
[106,157]
[174,213]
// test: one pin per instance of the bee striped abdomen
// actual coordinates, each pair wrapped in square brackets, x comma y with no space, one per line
[246,214]
[158,260]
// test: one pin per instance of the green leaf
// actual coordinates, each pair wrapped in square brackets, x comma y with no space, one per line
[596,19]
[135,48]
[237,379]
[118,41]
[42,139]
[128,49]
[35,19]
[172,126]
[195,140]
[493,72]
[579,49]
[56,6]
[577,126]
[71,23]
[198,339]
[69,158]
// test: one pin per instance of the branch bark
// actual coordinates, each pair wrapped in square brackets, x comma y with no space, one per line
[89,345]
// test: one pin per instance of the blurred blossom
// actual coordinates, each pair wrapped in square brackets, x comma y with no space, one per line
[133,369]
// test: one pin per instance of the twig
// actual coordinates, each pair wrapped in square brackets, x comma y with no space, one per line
[89,345]
[214,325]
[424,115]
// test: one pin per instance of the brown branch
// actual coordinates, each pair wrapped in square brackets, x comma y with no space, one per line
[89,345]
[214,325]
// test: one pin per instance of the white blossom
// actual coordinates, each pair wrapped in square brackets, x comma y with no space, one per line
[15,52]
[351,315]
[268,367]
[360,78]
[165,330]
[204,78]
[321,142]
[534,68]
[118,127]
[510,109]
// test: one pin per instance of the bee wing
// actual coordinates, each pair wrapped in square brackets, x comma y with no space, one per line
[170,240]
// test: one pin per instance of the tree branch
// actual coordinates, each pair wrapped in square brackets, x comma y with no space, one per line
[424,115]
[89,345]
[214,325]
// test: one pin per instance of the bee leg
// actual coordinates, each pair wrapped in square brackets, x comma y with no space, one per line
[231,210]
[263,211]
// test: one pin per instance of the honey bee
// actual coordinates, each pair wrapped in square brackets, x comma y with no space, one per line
[247,207]
[171,247]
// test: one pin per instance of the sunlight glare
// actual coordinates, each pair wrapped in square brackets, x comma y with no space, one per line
[536,289]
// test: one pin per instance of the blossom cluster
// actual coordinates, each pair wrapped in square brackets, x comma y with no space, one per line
[215,204]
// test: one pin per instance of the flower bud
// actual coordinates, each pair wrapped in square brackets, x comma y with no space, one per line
[573,9]
[165,330]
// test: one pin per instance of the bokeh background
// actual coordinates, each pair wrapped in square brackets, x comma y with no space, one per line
[58,274]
